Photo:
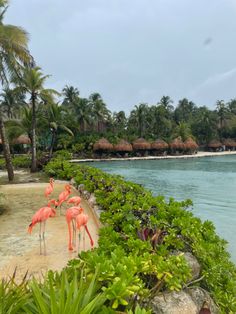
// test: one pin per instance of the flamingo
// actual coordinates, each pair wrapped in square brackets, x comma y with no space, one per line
[81,220]
[71,214]
[41,216]
[74,200]
[63,196]
[49,188]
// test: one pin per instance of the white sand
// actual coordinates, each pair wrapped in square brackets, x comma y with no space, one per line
[198,155]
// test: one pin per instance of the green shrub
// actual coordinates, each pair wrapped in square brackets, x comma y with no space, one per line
[63,154]
[17,161]
[149,231]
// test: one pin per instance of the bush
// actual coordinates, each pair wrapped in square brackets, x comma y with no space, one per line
[17,161]
[142,232]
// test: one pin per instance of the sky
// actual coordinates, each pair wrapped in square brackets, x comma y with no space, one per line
[134,51]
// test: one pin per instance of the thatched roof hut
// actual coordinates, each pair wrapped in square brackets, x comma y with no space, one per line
[141,144]
[177,144]
[22,139]
[229,142]
[190,144]
[159,145]
[214,144]
[123,146]
[102,145]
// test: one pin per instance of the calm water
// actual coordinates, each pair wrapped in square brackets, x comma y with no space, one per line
[210,182]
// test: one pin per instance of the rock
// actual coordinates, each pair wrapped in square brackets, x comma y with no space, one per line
[199,296]
[187,301]
[92,200]
[173,303]
[81,188]
[193,264]
[86,195]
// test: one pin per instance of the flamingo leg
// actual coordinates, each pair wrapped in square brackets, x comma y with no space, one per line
[79,241]
[40,238]
[44,243]
[73,233]
[84,239]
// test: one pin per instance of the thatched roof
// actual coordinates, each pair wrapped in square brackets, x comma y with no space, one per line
[214,144]
[177,143]
[103,144]
[190,144]
[141,144]
[123,146]
[229,142]
[159,144]
[22,139]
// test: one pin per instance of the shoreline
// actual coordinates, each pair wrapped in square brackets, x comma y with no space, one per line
[198,155]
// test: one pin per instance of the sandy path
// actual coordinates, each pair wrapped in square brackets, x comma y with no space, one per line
[21,250]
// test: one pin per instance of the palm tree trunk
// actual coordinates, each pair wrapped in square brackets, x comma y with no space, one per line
[33,143]
[6,151]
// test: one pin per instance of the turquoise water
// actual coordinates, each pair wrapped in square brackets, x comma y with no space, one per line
[210,182]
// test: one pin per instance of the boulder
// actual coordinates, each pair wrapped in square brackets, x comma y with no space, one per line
[193,264]
[173,303]
[189,301]
[199,296]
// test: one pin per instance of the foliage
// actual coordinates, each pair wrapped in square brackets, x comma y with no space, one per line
[142,239]
[18,162]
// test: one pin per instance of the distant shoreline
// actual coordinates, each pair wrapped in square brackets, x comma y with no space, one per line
[198,155]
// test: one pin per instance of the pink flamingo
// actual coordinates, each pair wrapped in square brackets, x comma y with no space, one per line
[81,220]
[74,200]
[41,216]
[63,196]
[49,188]
[71,214]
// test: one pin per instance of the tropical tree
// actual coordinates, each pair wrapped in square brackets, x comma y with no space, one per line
[71,95]
[82,113]
[11,102]
[183,130]
[54,116]
[223,114]
[138,118]
[100,113]
[13,55]
[204,126]
[167,102]
[32,83]
[184,111]
[119,122]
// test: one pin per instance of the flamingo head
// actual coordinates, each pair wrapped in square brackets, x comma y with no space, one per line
[51,180]
[54,202]
[68,187]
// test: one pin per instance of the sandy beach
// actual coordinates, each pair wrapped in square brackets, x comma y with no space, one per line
[198,155]
[20,250]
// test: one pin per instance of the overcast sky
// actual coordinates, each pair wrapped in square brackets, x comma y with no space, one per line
[133,51]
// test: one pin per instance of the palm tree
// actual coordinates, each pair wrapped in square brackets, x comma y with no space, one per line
[12,100]
[32,83]
[13,55]
[17,127]
[55,118]
[222,112]
[82,111]
[138,116]
[100,112]
[71,94]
